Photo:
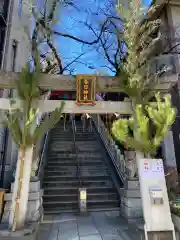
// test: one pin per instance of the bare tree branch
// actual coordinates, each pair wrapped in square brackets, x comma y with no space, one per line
[56,56]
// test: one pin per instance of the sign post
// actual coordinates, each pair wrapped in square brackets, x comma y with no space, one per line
[82,200]
[156,209]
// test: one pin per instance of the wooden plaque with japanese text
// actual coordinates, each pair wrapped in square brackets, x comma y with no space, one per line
[85,89]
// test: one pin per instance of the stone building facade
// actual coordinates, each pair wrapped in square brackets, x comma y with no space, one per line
[171,18]
[15,50]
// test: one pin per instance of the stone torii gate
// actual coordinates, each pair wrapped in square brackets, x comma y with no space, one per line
[85,86]
[68,83]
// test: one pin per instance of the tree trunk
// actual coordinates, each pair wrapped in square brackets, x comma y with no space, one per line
[21,188]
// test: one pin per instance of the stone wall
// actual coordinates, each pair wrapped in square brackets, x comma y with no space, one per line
[131,206]
[35,208]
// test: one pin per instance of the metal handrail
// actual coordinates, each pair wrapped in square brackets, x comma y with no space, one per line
[110,145]
[42,153]
[78,170]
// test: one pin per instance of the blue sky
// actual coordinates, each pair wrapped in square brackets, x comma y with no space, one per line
[71,22]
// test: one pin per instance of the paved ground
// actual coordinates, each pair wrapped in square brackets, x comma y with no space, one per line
[96,226]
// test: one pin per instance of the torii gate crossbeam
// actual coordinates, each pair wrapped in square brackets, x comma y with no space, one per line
[68,83]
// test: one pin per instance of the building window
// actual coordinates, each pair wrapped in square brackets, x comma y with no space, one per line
[20,8]
[14,54]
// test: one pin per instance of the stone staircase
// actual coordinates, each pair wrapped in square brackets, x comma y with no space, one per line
[61,178]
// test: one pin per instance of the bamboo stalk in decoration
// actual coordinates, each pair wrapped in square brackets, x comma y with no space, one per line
[25,138]
[21,172]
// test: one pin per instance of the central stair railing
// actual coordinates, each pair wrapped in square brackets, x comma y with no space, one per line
[78,169]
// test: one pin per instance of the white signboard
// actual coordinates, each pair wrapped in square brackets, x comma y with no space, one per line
[154,196]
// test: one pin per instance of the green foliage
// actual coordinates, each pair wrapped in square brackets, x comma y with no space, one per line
[142,39]
[158,116]
[48,123]
[175,208]
[149,123]
[26,85]
[22,115]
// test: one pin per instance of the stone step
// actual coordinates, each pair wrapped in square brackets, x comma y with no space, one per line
[61,205]
[85,173]
[58,203]
[60,173]
[61,131]
[63,143]
[90,209]
[109,206]
[72,178]
[90,168]
[75,183]
[61,164]
[70,138]
[75,161]
[74,168]
[80,155]
[77,133]
[67,169]
[78,143]
[101,204]
[69,150]
[60,197]
[63,190]
[73,155]
[93,143]
[74,190]
[74,197]
[89,162]
[55,212]
[88,149]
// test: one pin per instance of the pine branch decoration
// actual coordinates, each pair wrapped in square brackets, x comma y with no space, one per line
[48,123]
[161,115]
[21,118]
[142,38]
